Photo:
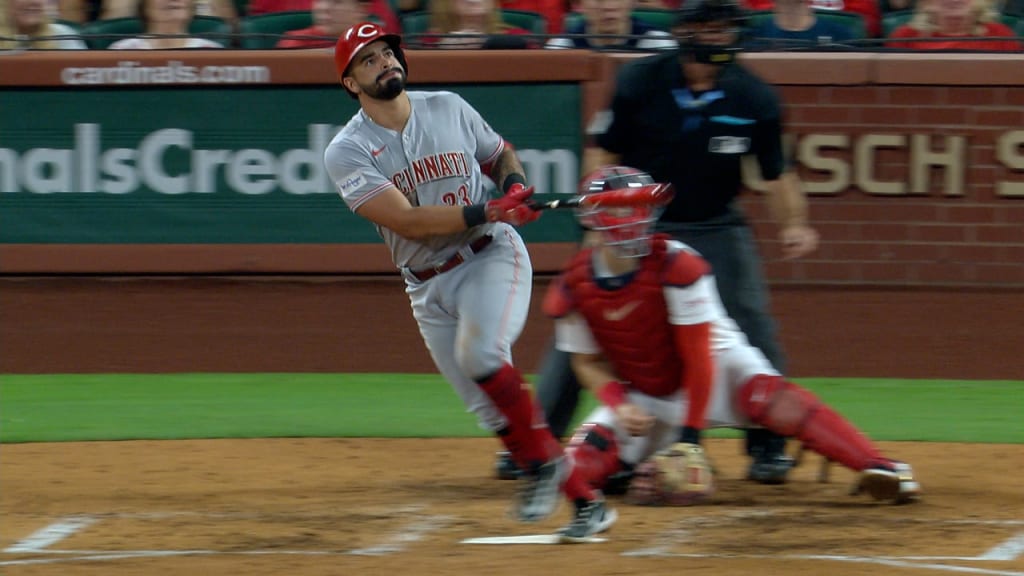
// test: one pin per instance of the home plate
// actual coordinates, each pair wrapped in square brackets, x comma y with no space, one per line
[529,539]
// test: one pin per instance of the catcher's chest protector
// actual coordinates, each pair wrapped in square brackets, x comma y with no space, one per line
[630,323]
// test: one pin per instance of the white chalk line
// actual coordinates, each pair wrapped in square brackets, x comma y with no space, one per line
[39,541]
[530,539]
[1008,550]
[49,535]
[413,532]
[882,560]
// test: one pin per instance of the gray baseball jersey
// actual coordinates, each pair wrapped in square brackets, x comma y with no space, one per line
[435,160]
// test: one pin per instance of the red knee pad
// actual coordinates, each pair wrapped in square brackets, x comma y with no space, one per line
[777,404]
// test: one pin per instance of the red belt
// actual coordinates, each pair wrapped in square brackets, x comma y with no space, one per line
[474,247]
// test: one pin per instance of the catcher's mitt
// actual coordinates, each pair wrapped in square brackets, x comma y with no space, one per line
[677,476]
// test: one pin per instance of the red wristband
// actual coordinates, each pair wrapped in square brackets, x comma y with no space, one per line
[612,394]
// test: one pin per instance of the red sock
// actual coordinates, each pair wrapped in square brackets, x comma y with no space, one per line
[786,408]
[576,486]
[527,436]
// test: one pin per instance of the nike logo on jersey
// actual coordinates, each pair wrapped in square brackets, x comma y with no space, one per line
[377,152]
[759,395]
[620,314]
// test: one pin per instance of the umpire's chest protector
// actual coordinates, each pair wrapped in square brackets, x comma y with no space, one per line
[629,321]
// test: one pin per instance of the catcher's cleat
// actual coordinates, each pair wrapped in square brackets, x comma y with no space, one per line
[890,481]
[618,483]
[505,467]
[543,490]
[590,517]
[770,468]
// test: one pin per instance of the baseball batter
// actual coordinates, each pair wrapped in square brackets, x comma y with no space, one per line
[648,333]
[413,163]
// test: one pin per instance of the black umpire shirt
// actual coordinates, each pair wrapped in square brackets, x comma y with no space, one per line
[693,140]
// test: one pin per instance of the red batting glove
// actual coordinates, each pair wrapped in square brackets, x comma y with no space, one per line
[512,207]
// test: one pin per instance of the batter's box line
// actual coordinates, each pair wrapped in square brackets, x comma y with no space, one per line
[884,561]
[39,541]
[686,529]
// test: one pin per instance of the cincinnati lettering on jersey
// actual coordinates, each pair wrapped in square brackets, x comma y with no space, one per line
[430,168]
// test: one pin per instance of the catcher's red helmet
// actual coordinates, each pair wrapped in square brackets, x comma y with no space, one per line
[360,36]
[627,229]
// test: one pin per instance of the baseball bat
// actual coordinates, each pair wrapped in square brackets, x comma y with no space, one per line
[650,195]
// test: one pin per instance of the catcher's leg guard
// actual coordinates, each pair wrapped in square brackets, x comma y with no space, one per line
[595,452]
[788,409]
[526,437]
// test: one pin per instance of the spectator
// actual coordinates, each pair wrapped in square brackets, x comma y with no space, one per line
[166,25]
[377,9]
[554,11]
[330,19]
[609,25]
[794,23]
[27,24]
[950,24]
[471,24]
[83,11]
[869,10]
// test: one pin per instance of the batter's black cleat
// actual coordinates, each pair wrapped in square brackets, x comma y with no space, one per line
[505,467]
[590,517]
[770,468]
[543,490]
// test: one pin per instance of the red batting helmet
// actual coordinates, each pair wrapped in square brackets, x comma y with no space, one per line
[360,36]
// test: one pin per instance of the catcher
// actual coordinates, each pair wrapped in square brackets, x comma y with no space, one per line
[648,334]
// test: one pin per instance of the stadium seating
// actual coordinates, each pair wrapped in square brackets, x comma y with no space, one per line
[262,32]
[533,22]
[660,19]
[851,20]
[894,20]
[100,34]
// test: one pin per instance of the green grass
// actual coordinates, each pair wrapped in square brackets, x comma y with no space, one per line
[59,407]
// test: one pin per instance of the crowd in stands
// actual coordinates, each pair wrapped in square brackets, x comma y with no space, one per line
[630,25]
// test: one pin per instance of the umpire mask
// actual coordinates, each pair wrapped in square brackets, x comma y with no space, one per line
[709,30]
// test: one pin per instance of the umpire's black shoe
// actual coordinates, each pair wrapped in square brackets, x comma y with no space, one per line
[505,468]
[770,468]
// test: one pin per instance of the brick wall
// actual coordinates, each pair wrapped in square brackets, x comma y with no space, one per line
[909,184]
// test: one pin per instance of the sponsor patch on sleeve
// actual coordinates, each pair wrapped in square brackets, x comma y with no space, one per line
[351,182]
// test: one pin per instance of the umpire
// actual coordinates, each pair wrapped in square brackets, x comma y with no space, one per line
[688,117]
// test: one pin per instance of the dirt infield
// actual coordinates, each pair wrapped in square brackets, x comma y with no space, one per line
[372,506]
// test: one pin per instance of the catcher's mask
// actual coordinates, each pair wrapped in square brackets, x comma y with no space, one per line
[709,30]
[625,229]
[358,37]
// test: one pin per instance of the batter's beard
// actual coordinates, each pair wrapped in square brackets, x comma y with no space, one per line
[389,90]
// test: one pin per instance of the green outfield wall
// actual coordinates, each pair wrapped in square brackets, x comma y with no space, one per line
[209,161]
